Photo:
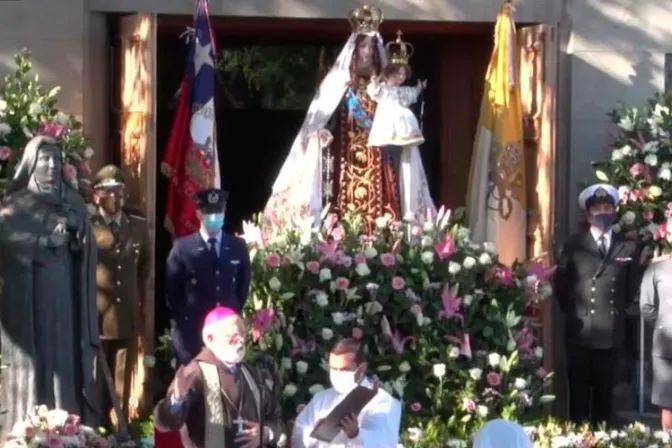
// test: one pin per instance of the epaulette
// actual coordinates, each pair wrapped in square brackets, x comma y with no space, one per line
[141,218]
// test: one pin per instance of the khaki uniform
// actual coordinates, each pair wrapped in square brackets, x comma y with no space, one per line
[121,273]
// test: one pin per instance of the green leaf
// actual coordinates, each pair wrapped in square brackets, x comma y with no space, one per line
[546,398]
[601,176]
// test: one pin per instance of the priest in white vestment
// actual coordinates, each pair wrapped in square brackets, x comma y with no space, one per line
[376,426]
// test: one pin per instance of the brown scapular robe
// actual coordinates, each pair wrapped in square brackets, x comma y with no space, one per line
[207,413]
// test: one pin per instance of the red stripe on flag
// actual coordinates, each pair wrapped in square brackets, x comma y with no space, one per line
[180,217]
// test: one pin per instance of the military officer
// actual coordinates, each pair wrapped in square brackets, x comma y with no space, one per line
[205,269]
[597,279]
[121,276]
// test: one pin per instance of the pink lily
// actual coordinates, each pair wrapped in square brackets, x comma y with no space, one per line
[446,248]
[328,251]
[263,321]
[541,271]
[451,305]
[399,342]
[302,348]
[465,346]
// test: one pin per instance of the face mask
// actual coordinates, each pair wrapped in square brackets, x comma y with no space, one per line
[213,222]
[342,382]
[230,355]
[602,221]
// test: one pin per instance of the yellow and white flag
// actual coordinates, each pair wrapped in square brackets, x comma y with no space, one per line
[496,206]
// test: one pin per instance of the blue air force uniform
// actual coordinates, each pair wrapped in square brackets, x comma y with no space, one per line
[203,271]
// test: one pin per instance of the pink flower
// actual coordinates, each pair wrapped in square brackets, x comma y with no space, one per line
[302,348]
[399,342]
[273,261]
[313,267]
[52,130]
[396,247]
[342,283]
[623,193]
[451,304]
[85,167]
[465,346]
[493,379]
[357,333]
[640,170]
[5,153]
[359,259]
[542,373]
[541,271]
[416,310]
[416,406]
[53,441]
[69,171]
[668,210]
[28,432]
[416,231]
[502,275]
[263,321]
[388,259]
[398,283]
[469,405]
[330,222]
[526,341]
[70,429]
[338,233]
[647,215]
[328,251]
[445,249]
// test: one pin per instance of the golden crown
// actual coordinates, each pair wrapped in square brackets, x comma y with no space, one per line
[399,51]
[365,19]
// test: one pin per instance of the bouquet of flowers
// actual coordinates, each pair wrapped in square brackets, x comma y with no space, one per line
[441,321]
[640,164]
[27,109]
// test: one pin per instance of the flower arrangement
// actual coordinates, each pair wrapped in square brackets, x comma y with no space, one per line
[27,109]
[555,435]
[640,165]
[440,319]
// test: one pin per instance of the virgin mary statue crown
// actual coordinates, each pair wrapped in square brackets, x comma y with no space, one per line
[399,51]
[365,20]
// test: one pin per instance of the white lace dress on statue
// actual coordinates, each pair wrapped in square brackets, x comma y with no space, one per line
[394,124]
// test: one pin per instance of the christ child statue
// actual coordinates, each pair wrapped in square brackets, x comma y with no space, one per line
[394,124]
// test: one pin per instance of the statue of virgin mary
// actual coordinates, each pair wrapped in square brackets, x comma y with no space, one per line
[331,163]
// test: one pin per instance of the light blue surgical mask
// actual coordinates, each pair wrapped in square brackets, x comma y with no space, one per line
[213,222]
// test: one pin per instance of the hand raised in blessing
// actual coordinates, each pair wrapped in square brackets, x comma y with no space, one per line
[184,381]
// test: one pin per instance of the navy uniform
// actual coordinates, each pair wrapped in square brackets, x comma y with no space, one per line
[204,270]
[595,282]
[121,279]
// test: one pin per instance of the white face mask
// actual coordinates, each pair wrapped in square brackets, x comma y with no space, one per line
[342,382]
[232,354]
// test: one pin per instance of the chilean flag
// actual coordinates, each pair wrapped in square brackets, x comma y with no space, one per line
[190,161]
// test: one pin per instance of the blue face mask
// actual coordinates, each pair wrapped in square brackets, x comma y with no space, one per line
[213,222]
[602,220]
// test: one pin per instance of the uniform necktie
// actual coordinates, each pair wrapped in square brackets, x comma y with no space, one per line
[602,244]
[114,228]
[213,247]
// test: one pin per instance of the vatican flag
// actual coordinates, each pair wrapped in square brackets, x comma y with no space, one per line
[496,192]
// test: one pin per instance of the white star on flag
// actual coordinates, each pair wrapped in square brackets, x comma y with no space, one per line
[202,56]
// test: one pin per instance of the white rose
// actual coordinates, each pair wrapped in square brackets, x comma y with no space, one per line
[5,129]
[454,352]
[539,352]
[494,359]
[469,262]
[289,390]
[404,367]
[428,226]
[325,274]
[370,252]
[655,191]
[327,334]
[485,258]
[35,109]
[629,218]
[3,105]
[88,153]
[616,155]
[381,222]
[321,299]
[415,435]
[626,150]
[531,280]
[475,373]
[651,160]
[301,367]
[439,370]
[426,241]
[468,299]
[454,268]
[427,257]
[274,283]
[489,247]
[519,383]
[315,389]
[287,363]
[362,269]
[665,174]
[482,411]
[338,318]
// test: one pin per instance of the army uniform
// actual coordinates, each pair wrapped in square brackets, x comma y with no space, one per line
[597,279]
[121,273]
[201,276]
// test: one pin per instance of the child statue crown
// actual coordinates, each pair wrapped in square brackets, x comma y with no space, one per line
[399,51]
[365,20]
